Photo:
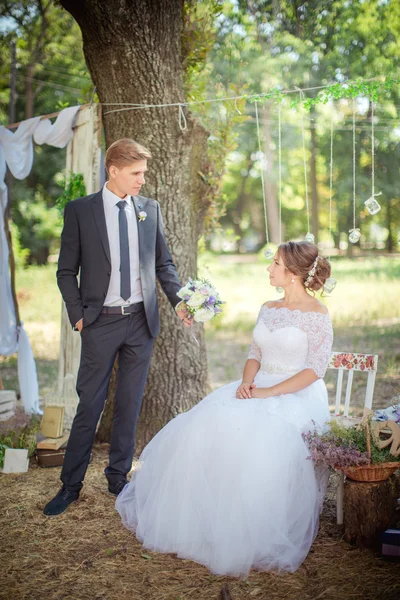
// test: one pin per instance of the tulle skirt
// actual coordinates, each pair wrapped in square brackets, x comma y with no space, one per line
[229,485]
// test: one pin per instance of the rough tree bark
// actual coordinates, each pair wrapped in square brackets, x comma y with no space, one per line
[133,52]
[370,508]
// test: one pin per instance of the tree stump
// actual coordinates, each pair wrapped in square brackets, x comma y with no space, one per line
[369,509]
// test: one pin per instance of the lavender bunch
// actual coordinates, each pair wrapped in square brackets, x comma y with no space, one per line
[328,450]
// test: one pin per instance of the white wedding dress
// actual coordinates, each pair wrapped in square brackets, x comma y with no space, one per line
[228,483]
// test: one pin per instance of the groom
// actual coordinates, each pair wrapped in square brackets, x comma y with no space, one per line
[115,239]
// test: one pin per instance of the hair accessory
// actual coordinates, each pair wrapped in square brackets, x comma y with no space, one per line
[311,273]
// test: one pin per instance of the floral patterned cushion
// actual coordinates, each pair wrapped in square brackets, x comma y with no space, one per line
[357,362]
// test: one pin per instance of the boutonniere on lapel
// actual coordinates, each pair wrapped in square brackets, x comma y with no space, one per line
[142,214]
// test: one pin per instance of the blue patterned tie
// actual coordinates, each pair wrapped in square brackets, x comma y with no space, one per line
[125,271]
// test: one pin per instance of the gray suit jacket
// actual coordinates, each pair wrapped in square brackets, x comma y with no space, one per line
[85,248]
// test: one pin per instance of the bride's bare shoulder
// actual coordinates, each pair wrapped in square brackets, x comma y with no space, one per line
[317,306]
[272,303]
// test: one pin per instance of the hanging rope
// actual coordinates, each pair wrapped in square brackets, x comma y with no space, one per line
[182,119]
[354,233]
[372,150]
[331,180]
[261,156]
[137,106]
[372,205]
[330,283]
[280,172]
[304,162]
[354,164]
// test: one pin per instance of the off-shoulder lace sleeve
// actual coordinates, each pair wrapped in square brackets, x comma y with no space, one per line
[254,350]
[320,338]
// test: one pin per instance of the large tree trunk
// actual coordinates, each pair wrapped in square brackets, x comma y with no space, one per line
[133,52]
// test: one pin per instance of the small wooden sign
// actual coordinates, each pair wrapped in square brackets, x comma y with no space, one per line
[52,425]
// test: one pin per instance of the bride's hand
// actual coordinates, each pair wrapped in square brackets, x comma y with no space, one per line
[259,392]
[244,390]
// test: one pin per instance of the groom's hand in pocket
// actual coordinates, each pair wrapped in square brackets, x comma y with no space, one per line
[79,325]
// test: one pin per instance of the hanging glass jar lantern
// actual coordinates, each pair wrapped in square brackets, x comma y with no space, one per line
[373,205]
[354,235]
[269,253]
[310,238]
[330,285]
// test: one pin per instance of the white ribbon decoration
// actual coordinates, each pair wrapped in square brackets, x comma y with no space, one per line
[16,152]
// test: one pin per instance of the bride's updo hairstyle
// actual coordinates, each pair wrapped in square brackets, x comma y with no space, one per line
[299,258]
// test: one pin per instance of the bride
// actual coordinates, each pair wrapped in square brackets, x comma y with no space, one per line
[228,484]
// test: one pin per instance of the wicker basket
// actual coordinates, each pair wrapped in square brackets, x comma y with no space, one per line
[371,473]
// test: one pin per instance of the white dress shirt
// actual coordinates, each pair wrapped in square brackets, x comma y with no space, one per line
[111,211]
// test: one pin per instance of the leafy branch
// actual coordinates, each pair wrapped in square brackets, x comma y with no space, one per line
[336,91]
[74,188]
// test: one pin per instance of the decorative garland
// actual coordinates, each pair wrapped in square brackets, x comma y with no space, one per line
[337,91]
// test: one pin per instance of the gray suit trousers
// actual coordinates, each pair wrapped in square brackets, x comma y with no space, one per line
[130,338]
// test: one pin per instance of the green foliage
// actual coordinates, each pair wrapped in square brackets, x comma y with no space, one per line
[21,255]
[39,227]
[272,47]
[51,70]
[198,37]
[74,188]
[374,90]
[220,118]
[19,432]
[358,437]
[49,50]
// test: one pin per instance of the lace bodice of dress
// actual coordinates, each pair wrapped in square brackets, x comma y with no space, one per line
[288,341]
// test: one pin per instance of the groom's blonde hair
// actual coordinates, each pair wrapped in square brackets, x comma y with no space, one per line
[124,152]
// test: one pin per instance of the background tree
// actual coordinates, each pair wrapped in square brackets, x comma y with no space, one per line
[51,74]
[309,44]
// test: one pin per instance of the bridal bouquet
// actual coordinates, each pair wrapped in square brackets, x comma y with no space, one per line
[201,300]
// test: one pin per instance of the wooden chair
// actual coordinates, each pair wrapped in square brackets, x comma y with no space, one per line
[350,362]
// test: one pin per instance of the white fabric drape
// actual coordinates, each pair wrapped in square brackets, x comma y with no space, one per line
[16,152]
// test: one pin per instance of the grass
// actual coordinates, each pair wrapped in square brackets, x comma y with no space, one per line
[86,553]
[364,307]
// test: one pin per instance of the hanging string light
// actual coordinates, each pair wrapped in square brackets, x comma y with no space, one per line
[354,233]
[371,204]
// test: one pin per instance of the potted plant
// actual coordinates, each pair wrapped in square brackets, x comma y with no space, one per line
[360,455]
[17,441]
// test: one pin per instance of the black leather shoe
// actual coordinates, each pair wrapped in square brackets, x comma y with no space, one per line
[60,502]
[117,488]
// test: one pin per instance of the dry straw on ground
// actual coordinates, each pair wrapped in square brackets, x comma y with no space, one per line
[86,554]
